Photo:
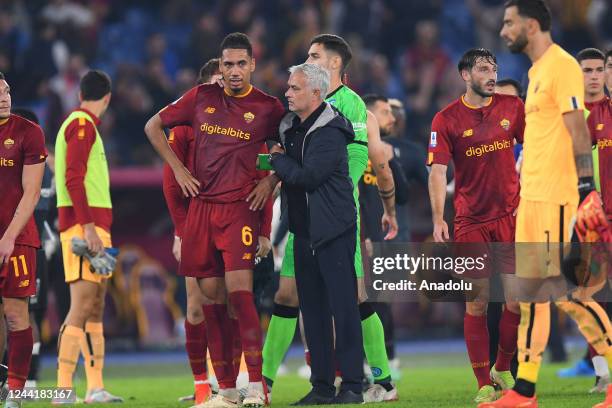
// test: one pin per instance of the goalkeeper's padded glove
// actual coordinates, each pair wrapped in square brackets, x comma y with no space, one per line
[102,263]
[590,216]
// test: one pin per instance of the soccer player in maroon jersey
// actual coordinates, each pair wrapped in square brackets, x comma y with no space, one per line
[22,164]
[477,132]
[230,125]
[599,121]
[181,141]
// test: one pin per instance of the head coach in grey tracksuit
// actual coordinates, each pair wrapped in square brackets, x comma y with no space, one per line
[319,196]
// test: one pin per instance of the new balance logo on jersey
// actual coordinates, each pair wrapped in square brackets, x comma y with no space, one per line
[468,133]
[210,109]
[247,256]
[6,162]
[599,127]
[24,283]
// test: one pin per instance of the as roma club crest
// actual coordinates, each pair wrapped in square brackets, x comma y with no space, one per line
[505,123]
[248,117]
[9,143]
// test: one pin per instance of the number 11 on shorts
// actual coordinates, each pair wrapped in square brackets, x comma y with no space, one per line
[16,265]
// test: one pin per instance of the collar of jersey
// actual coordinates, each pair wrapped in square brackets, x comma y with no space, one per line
[335,91]
[3,121]
[467,105]
[241,95]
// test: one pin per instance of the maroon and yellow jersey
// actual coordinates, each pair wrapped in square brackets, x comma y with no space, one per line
[480,142]
[181,142]
[600,126]
[229,131]
[22,143]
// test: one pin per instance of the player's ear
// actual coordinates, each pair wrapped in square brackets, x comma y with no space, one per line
[336,62]
[80,97]
[532,25]
[252,64]
[465,74]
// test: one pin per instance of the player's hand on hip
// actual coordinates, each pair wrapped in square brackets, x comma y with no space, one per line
[7,246]
[389,224]
[264,247]
[440,232]
[262,191]
[176,248]
[94,243]
[189,184]
[591,215]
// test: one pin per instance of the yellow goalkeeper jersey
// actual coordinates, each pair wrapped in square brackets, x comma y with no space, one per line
[555,87]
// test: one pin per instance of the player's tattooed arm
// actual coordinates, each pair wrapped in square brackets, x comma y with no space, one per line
[581,140]
[379,154]
[584,163]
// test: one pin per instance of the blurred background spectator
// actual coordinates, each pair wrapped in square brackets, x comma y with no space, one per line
[153,49]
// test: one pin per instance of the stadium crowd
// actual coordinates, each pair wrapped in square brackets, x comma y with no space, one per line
[229,205]
[152,50]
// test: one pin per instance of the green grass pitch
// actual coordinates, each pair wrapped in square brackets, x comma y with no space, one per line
[429,381]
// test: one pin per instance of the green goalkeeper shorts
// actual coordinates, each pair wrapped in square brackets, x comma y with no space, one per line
[288,266]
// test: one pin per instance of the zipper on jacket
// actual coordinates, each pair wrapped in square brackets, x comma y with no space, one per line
[305,192]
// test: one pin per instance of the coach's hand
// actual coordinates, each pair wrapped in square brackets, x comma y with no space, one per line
[7,246]
[277,148]
[94,243]
[189,184]
[264,247]
[176,249]
[440,232]
[389,224]
[262,191]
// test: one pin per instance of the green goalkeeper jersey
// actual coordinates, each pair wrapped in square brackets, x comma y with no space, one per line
[353,108]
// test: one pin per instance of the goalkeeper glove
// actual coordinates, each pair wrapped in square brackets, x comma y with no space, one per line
[102,263]
[590,216]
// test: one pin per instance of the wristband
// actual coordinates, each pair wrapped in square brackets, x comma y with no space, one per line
[585,186]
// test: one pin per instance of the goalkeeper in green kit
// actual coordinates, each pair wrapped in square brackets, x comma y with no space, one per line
[333,53]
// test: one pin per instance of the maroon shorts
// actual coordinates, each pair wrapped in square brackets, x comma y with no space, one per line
[218,238]
[496,239]
[18,275]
